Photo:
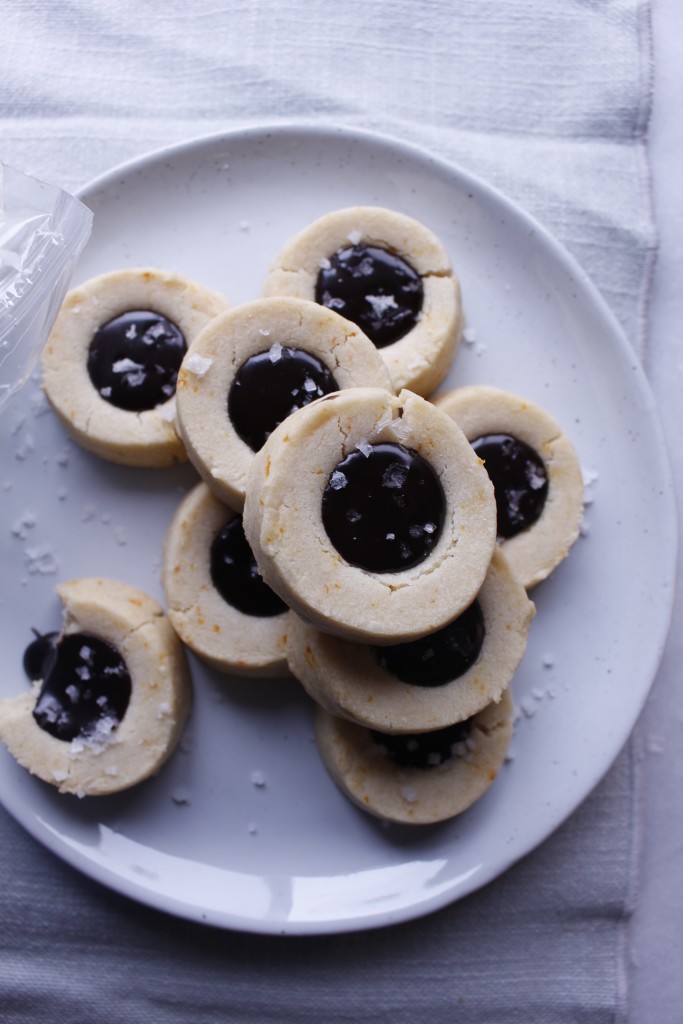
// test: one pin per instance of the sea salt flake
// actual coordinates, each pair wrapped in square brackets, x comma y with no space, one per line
[535,479]
[381,303]
[469,335]
[40,561]
[97,740]
[198,365]
[354,237]
[364,447]
[164,710]
[258,779]
[275,352]
[59,776]
[409,794]
[132,332]
[26,449]
[126,366]
[337,480]
[529,707]
[23,525]
[394,477]
[324,263]
[590,477]
[264,331]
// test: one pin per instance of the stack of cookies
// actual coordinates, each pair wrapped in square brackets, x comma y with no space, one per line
[348,528]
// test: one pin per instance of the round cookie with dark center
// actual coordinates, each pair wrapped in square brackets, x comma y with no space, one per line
[416,779]
[110,364]
[217,602]
[406,547]
[110,695]
[535,472]
[423,684]
[253,367]
[389,274]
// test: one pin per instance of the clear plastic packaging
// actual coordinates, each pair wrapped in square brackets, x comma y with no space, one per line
[42,232]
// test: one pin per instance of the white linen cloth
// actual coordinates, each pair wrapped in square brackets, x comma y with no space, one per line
[550,102]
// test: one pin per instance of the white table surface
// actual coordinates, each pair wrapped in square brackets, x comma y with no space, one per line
[656,946]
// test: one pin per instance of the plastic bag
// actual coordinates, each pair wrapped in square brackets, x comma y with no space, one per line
[42,232]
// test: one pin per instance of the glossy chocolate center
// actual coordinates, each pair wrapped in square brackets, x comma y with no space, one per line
[40,655]
[440,657]
[235,575]
[86,686]
[375,289]
[268,387]
[519,479]
[383,508]
[133,360]
[425,749]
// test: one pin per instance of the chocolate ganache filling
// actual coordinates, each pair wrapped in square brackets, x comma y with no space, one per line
[40,655]
[519,478]
[86,685]
[383,508]
[133,360]
[440,657]
[235,575]
[271,385]
[375,289]
[424,749]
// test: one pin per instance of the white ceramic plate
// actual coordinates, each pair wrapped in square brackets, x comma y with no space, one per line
[243,828]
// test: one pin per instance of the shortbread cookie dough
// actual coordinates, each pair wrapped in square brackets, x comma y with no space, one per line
[111,362]
[371,516]
[426,684]
[389,274]
[420,779]
[114,698]
[535,471]
[251,368]
[217,603]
